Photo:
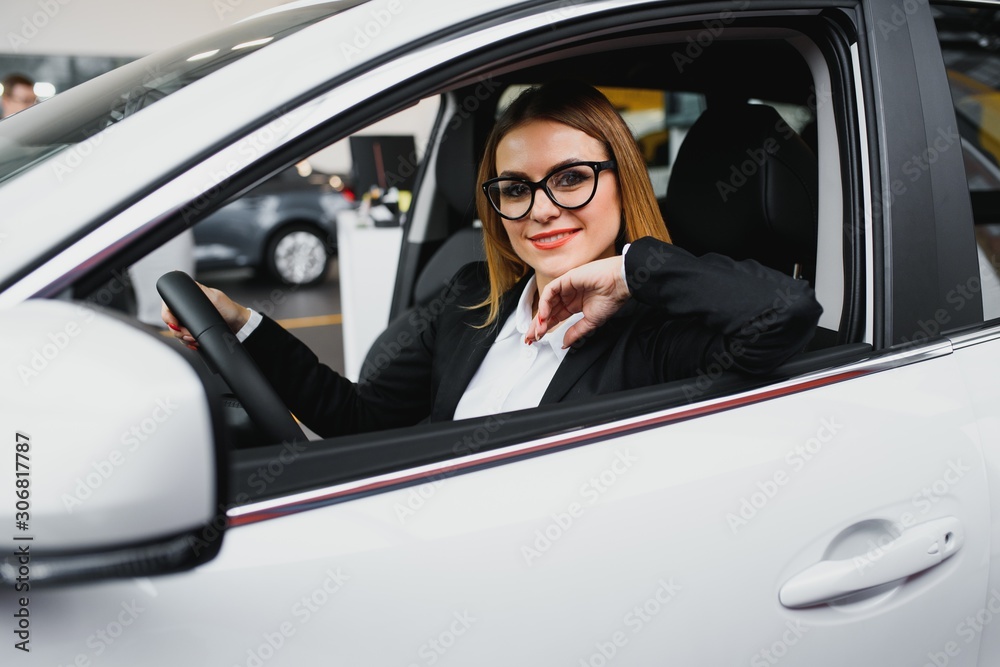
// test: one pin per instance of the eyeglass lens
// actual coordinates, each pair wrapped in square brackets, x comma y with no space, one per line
[571,187]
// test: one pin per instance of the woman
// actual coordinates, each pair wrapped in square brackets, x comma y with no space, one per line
[558,312]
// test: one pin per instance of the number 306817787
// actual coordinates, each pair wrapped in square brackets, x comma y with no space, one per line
[22,483]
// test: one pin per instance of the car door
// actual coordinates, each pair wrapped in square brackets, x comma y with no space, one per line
[840,515]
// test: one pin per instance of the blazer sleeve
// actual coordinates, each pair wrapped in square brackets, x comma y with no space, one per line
[713,309]
[395,387]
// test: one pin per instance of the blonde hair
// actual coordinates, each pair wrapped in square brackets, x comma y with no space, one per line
[584,108]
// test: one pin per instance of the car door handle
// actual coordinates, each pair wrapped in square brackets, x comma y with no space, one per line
[916,549]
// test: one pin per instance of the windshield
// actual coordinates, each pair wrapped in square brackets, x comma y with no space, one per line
[78,114]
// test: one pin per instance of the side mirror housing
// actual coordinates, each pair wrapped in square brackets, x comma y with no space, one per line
[114,461]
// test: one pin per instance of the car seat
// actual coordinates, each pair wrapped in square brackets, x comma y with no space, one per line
[744,184]
[455,171]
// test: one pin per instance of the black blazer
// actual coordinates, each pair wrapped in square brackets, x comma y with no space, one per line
[686,314]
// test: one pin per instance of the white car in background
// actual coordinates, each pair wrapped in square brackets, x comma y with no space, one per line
[839,512]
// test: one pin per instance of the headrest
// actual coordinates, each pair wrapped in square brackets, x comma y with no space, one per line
[744,184]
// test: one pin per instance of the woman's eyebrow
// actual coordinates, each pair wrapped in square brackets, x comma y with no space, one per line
[513,173]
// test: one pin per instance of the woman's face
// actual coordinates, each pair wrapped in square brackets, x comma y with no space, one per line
[550,239]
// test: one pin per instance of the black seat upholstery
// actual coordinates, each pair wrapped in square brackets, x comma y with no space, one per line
[455,170]
[744,184]
[462,247]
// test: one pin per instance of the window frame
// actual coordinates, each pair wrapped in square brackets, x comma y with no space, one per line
[367,462]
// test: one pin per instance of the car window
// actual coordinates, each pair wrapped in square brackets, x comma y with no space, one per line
[661,116]
[968,36]
[285,247]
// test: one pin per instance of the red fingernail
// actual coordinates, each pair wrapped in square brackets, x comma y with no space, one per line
[192,347]
[173,326]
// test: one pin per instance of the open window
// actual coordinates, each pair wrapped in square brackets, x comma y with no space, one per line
[780,85]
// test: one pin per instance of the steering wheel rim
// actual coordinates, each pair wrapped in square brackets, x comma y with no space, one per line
[261,402]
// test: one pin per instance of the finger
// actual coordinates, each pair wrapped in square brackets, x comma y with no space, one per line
[552,305]
[168,317]
[577,332]
[544,299]
[531,335]
[540,324]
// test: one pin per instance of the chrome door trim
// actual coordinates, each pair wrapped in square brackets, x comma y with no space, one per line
[985,334]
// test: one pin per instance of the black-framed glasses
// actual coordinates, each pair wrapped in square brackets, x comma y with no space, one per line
[570,186]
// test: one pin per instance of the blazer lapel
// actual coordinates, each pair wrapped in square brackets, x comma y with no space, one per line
[469,352]
[582,356]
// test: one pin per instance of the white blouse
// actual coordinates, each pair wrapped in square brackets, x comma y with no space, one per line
[515,375]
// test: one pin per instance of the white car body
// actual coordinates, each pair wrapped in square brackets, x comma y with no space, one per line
[711,533]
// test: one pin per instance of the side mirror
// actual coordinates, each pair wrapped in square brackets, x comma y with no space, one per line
[112,462]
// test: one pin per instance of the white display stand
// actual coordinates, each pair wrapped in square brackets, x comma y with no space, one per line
[368,257]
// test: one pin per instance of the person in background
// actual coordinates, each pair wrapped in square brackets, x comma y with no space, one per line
[18,94]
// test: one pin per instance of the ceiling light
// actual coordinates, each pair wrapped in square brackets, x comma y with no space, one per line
[202,56]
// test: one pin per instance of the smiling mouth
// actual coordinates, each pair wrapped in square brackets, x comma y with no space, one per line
[553,239]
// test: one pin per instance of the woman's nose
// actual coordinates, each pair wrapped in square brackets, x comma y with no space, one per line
[543,208]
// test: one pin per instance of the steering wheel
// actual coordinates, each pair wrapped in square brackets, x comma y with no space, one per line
[261,402]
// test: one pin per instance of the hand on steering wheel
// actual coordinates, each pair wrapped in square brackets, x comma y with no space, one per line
[197,316]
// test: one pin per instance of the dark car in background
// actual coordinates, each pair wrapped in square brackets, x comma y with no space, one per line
[287,226]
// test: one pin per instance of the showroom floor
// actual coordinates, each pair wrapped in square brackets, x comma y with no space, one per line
[311,313]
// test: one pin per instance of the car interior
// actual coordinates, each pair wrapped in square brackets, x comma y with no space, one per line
[720,100]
